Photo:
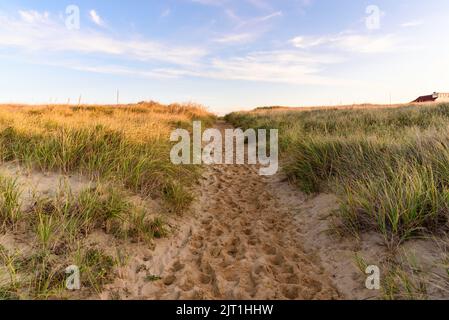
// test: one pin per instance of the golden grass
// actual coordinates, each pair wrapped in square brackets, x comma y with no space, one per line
[124,152]
[139,122]
[128,144]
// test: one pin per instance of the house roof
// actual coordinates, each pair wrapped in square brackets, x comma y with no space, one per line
[429,98]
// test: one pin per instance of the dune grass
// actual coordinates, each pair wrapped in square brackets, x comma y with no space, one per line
[10,213]
[58,227]
[125,144]
[124,152]
[389,167]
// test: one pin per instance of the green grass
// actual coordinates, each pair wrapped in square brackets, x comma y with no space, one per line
[96,268]
[65,219]
[97,152]
[60,225]
[10,213]
[389,167]
[177,197]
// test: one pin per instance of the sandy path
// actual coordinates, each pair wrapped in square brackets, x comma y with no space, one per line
[240,242]
[245,237]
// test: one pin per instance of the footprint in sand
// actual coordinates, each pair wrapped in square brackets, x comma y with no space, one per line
[243,244]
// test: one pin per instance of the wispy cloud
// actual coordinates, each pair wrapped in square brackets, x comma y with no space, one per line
[283,66]
[414,23]
[37,32]
[31,32]
[230,12]
[355,42]
[95,17]
[246,29]
[125,71]
[286,66]
[253,21]
[236,38]
[32,16]
[166,13]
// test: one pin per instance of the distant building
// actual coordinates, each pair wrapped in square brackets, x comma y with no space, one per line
[435,97]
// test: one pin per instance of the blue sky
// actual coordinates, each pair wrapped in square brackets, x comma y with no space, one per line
[225,54]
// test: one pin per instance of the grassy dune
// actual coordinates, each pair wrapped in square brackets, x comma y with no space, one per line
[128,145]
[123,153]
[389,167]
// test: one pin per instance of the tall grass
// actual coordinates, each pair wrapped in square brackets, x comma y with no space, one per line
[389,167]
[60,225]
[10,213]
[124,152]
[126,144]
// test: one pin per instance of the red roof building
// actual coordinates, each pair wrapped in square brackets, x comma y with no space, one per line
[435,97]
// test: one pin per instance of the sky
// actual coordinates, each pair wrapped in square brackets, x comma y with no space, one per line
[224,54]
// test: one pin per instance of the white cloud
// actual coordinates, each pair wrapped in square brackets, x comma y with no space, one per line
[246,29]
[414,23]
[96,18]
[32,16]
[302,42]
[236,38]
[270,16]
[353,42]
[368,44]
[125,71]
[45,37]
[272,66]
[33,33]
[253,22]
[210,2]
[267,66]
[288,67]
